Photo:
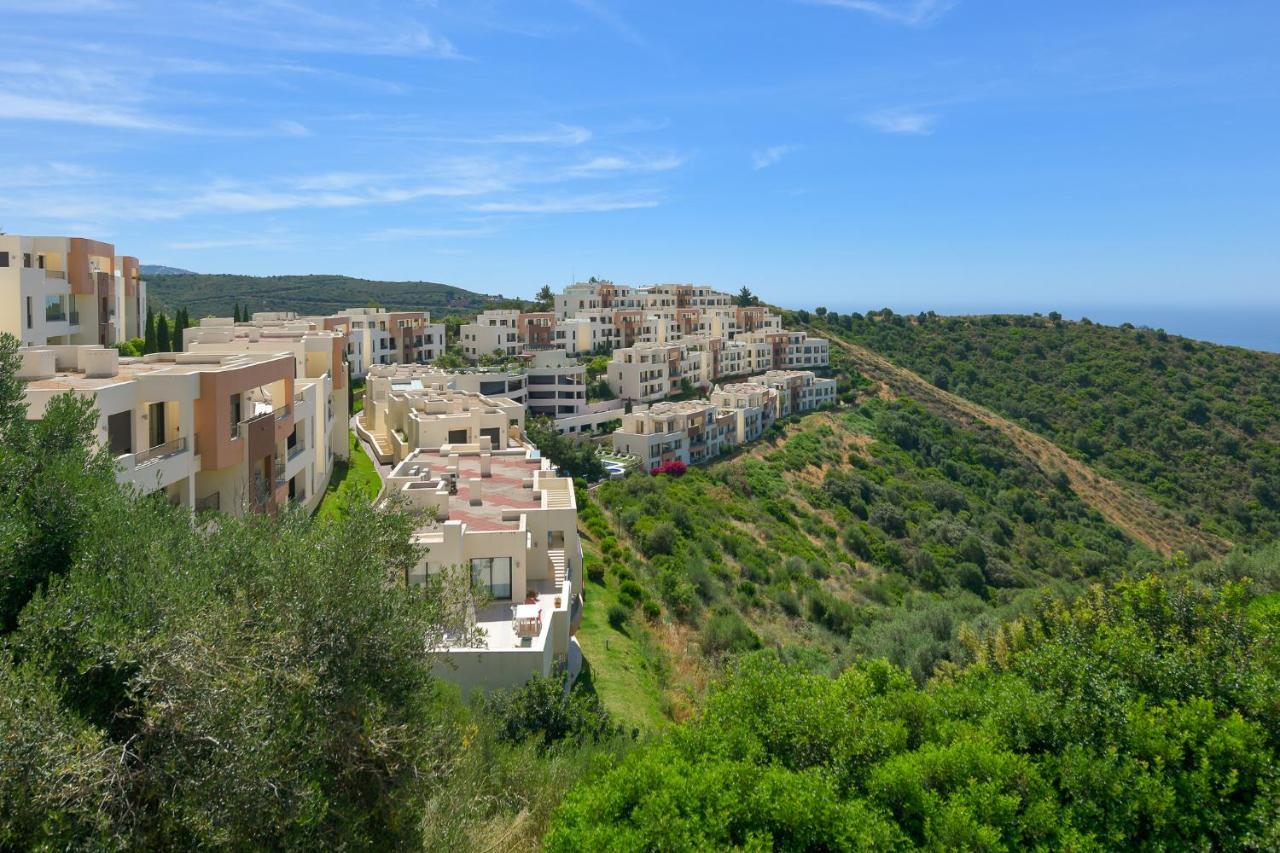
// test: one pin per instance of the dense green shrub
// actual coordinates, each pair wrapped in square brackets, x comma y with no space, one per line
[618,615]
[1142,717]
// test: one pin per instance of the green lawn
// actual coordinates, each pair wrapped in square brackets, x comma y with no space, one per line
[622,677]
[356,476]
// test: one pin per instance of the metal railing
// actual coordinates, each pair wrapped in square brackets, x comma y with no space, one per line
[54,314]
[169,448]
[74,317]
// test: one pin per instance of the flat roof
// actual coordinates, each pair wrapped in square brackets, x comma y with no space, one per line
[501,493]
[130,369]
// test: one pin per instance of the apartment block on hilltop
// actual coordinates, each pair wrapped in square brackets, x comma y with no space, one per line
[689,431]
[495,331]
[693,431]
[235,432]
[375,337]
[408,409]
[799,391]
[497,514]
[69,290]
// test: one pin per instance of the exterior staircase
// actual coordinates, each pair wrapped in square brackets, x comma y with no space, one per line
[559,563]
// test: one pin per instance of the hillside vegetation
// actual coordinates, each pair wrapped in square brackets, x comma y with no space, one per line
[1142,717]
[882,531]
[217,295]
[1194,426]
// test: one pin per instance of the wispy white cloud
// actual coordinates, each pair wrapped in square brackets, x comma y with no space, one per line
[901,121]
[289,127]
[430,233]
[565,204]
[611,165]
[606,15]
[560,134]
[766,157]
[912,13]
[25,108]
[226,243]
[59,7]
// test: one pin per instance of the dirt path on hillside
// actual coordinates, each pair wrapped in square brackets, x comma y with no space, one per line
[1134,513]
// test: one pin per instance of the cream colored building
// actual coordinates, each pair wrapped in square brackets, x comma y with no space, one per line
[799,391]
[404,413]
[222,431]
[690,431]
[375,336]
[498,516]
[753,408]
[492,331]
[69,290]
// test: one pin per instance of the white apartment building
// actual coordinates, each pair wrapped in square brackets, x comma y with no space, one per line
[645,373]
[321,399]
[753,408]
[502,521]
[799,391]
[557,385]
[403,415]
[213,431]
[69,290]
[690,431]
[377,337]
[493,331]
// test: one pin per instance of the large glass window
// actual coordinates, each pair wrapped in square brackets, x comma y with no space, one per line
[492,574]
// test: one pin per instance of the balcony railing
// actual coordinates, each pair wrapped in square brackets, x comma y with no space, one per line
[55,274]
[74,317]
[54,314]
[295,450]
[282,412]
[169,448]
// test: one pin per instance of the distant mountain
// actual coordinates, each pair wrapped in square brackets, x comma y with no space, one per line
[161,269]
[217,295]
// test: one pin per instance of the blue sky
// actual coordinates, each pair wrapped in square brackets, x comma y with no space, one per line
[974,153]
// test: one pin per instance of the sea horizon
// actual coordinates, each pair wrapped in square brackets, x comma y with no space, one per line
[1255,327]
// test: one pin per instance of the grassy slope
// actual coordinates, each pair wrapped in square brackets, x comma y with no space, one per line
[1194,425]
[881,531]
[205,295]
[354,477]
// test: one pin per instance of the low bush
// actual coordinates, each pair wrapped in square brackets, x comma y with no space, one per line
[617,616]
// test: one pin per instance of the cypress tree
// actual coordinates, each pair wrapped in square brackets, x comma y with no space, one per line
[162,334]
[236,315]
[179,323]
[149,333]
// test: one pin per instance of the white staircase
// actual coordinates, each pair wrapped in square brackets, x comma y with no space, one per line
[558,565]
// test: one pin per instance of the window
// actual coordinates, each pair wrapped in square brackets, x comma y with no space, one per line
[493,575]
[235,413]
[26,260]
[457,436]
[28,312]
[4,259]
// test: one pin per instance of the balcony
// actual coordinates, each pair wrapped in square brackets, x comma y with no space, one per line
[56,274]
[55,314]
[169,448]
[282,412]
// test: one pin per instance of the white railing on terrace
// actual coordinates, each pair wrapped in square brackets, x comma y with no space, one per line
[169,448]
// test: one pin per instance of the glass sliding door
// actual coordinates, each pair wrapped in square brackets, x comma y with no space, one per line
[493,575]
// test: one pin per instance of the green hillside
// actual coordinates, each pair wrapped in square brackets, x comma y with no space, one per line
[876,532]
[889,625]
[217,295]
[1194,425]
